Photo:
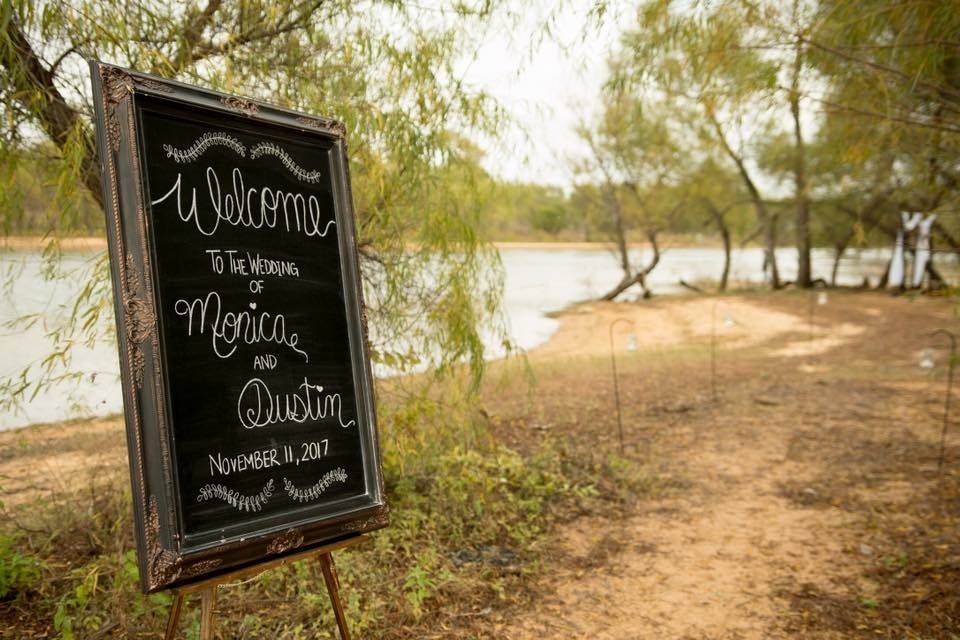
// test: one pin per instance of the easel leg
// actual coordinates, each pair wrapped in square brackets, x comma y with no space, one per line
[208,600]
[333,588]
[174,619]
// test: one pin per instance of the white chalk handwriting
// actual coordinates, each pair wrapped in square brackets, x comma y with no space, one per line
[257,406]
[204,142]
[235,498]
[256,208]
[314,492]
[228,328]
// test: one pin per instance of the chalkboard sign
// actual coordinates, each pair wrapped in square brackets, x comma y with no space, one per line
[247,387]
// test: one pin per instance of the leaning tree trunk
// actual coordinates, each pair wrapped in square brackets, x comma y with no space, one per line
[620,231]
[885,278]
[725,236]
[838,252]
[34,87]
[641,276]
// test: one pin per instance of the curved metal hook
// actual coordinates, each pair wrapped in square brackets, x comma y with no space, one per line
[946,402]
[949,334]
[616,384]
[614,323]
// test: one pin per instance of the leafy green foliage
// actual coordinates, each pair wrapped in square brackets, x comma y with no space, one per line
[842,114]
[551,220]
[18,572]
[384,68]
[452,490]
[529,212]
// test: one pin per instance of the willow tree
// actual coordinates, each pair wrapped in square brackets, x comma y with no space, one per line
[387,70]
[894,94]
[634,161]
[700,58]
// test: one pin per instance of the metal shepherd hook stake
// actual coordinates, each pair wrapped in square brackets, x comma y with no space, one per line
[946,403]
[616,384]
[713,351]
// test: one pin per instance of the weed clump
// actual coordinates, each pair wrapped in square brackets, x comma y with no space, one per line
[468,517]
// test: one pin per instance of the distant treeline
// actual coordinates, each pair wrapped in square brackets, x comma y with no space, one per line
[36,202]
[518,212]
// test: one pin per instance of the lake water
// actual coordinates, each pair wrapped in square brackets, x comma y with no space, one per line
[537,281]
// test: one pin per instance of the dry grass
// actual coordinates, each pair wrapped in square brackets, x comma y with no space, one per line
[803,502]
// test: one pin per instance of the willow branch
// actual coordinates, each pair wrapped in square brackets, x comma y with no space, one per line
[36,90]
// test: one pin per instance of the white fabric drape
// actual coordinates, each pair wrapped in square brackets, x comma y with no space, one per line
[923,249]
[908,223]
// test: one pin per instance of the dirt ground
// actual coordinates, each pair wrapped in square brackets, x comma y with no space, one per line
[807,501]
[799,463]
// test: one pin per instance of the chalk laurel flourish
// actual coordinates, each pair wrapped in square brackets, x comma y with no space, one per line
[204,142]
[269,148]
[313,492]
[236,499]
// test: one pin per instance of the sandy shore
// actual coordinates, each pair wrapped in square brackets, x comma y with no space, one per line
[34,243]
[799,481]
[96,243]
[598,246]
[740,321]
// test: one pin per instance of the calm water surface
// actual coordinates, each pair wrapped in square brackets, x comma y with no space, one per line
[537,281]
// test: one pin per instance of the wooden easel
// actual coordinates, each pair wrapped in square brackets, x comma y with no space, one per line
[208,588]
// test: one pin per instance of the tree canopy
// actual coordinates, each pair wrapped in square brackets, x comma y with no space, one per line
[387,69]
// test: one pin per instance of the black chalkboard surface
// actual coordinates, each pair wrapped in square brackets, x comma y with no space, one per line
[247,387]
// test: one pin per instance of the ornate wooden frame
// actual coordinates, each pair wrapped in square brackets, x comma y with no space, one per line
[165,561]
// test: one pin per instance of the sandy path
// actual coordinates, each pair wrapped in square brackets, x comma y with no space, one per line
[717,558]
[704,564]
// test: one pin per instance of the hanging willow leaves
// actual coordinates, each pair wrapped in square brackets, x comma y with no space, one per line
[388,70]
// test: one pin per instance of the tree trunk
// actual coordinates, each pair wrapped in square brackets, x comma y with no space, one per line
[641,276]
[800,178]
[725,236]
[838,251]
[620,233]
[763,215]
[885,278]
[36,90]
[936,282]
[770,240]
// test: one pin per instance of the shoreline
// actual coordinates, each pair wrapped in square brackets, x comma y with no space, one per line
[671,320]
[99,243]
[34,243]
[520,245]
[96,243]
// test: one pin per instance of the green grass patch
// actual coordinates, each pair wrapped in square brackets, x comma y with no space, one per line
[469,518]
